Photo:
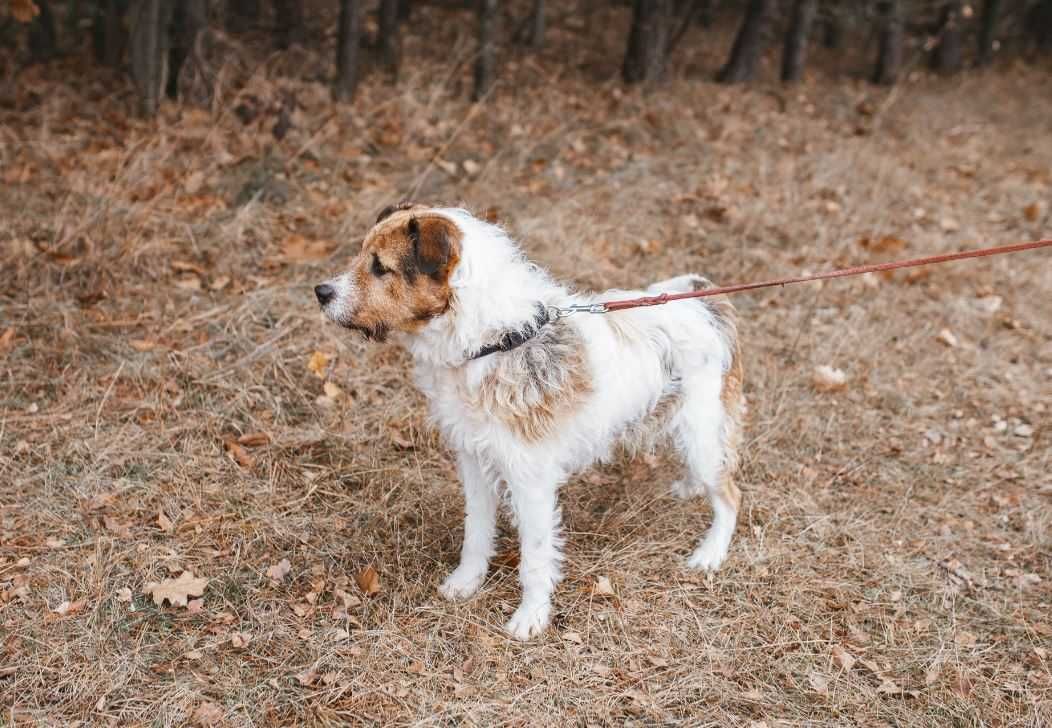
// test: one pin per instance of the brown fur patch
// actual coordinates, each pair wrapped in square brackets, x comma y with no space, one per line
[731,393]
[532,388]
[416,252]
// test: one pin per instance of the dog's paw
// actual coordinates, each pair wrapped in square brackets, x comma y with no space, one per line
[528,621]
[708,556]
[462,583]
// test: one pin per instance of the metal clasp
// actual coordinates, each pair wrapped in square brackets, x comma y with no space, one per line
[563,312]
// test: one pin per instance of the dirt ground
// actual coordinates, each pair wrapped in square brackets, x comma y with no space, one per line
[891,565]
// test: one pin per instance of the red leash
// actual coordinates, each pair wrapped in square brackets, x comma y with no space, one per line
[857,270]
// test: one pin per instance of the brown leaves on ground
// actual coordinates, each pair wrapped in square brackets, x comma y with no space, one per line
[368,581]
[277,572]
[176,591]
[317,363]
[24,10]
[237,453]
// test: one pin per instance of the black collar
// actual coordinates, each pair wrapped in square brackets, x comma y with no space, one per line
[514,339]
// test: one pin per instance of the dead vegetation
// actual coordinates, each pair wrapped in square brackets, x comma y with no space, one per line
[172,403]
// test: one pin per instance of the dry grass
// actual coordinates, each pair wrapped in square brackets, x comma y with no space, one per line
[895,522]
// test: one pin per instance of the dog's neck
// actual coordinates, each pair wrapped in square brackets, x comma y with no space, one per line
[495,291]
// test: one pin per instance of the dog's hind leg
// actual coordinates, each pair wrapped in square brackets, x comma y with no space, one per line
[480,529]
[707,433]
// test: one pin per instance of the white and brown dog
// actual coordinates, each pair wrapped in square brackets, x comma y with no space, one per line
[526,399]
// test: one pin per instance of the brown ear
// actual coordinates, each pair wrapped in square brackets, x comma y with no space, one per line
[392,209]
[433,241]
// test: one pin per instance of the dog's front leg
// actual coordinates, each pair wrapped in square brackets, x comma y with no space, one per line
[536,510]
[480,529]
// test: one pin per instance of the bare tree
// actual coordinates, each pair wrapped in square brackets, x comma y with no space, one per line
[289,21]
[832,25]
[485,63]
[947,54]
[189,17]
[42,42]
[748,44]
[149,47]
[390,39]
[987,30]
[648,41]
[241,15]
[108,36]
[795,52]
[889,54]
[535,32]
[347,50]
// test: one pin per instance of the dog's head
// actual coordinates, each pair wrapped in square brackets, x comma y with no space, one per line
[400,279]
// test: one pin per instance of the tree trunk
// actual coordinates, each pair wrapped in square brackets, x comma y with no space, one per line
[289,19]
[484,64]
[947,54]
[390,41]
[107,31]
[832,27]
[241,15]
[795,53]
[889,54]
[707,13]
[535,33]
[42,44]
[189,18]
[648,41]
[748,45]
[405,9]
[991,11]
[347,51]
[150,42]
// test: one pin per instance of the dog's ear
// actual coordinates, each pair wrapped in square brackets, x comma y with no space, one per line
[392,209]
[433,241]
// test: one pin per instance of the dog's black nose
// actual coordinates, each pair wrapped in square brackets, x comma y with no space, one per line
[325,293]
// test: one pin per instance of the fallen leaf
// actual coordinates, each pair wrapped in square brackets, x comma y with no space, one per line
[237,453]
[472,167]
[399,439]
[116,527]
[307,677]
[188,283]
[164,522]
[1032,211]
[657,661]
[54,543]
[278,572]
[574,637]
[884,244]
[124,594]
[819,682]
[828,379]
[298,249]
[195,606]
[602,670]
[24,10]
[7,339]
[945,336]
[219,283]
[207,714]
[254,439]
[7,671]
[368,581]
[317,364]
[1025,581]
[965,638]
[602,587]
[176,591]
[844,659]
[67,608]
[416,667]
[239,640]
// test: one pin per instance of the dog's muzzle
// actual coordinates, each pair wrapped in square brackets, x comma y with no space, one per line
[325,293]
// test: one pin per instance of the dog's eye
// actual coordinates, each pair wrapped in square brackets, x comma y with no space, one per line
[378,268]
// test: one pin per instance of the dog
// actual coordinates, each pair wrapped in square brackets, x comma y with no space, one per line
[525,397]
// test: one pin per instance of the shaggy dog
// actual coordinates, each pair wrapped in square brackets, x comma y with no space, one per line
[526,398]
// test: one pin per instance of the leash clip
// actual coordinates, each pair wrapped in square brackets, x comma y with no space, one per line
[563,312]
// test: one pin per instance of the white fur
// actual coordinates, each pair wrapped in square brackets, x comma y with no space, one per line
[635,358]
